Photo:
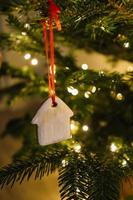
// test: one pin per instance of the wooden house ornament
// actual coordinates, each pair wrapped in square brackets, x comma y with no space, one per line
[53,122]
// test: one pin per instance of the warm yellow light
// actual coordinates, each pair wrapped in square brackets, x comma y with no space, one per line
[85,128]
[103,28]
[27,56]
[24,33]
[27,25]
[75,92]
[124,163]
[93,90]
[113,147]
[101,72]
[126,44]
[72,90]
[84,66]
[119,97]
[74,126]
[77,148]
[34,61]
[77,190]
[130,69]
[87,94]
[64,163]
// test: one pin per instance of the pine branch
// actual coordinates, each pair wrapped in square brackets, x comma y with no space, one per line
[105,26]
[90,178]
[73,178]
[40,165]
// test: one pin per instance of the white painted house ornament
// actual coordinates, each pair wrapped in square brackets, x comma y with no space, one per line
[53,122]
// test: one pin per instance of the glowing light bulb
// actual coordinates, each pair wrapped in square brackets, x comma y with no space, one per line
[70,89]
[84,66]
[101,73]
[119,97]
[130,69]
[75,92]
[126,44]
[77,190]
[27,26]
[34,61]
[77,148]
[124,163]
[27,56]
[93,90]
[85,128]
[74,126]
[87,94]
[113,147]
[103,28]
[24,33]
[64,163]
[126,156]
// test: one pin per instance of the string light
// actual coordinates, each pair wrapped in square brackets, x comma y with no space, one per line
[27,26]
[101,73]
[75,92]
[130,69]
[64,163]
[74,126]
[125,156]
[126,44]
[77,148]
[113,147]
[27,56]
[85,128]
[103,123]
[24,33]
[84,66]
[34,61]
[87,94]
[103,28]
[124,163]
[93,90]
[119,97]
[77,190]
[72,90]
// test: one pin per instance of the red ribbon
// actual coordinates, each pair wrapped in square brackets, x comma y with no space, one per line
[53,14]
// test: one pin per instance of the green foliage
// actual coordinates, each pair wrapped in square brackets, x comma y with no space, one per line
[94,173]
[117,124]
[81,175]
[23,169]
[104,25]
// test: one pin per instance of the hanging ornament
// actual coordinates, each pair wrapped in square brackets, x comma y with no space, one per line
[53,117]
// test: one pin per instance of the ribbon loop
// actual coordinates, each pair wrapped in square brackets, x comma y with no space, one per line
[53,14]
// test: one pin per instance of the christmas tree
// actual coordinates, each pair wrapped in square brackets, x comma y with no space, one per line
[93,164]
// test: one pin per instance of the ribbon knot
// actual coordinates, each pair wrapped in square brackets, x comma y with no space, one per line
[54,11]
